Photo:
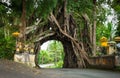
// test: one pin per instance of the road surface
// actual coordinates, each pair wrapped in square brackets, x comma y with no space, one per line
[61,73]
[78,73]
[46,65]
[16,70]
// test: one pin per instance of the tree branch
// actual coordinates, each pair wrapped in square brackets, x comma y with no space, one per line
[79,50]
[43,35]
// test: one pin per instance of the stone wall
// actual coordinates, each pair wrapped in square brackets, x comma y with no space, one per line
[107,62]
[117,60]
[25,58]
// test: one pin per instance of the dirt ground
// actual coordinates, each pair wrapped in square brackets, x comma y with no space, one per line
[10,69]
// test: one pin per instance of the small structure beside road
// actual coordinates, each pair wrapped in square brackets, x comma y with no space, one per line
[110,54]
[25,58]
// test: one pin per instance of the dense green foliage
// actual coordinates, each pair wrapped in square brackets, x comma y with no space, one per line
[53,54]
[10,19]
[7,45]
[116,7]
[106,31]
[56,49]
[44,57]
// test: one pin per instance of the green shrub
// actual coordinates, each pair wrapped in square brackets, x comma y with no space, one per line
[59,64]
[7,48]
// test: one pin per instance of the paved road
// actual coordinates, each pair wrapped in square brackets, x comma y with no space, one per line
[61,73]
[9,69]
[46,65]
[78,73]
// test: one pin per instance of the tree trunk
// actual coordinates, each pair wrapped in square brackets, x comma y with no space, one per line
[94,28]
[23,22]
[70,60]
[65,16]
[37,49]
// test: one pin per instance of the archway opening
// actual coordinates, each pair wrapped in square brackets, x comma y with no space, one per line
[51,54]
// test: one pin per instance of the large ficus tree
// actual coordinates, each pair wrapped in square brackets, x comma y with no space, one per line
[59,25]
[70,21]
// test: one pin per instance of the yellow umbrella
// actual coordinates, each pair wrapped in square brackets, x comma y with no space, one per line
[16,34]
[103,39]
[104,42]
